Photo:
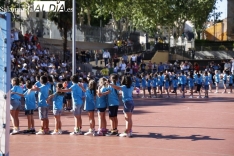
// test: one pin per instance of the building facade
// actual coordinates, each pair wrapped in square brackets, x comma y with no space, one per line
[230,19]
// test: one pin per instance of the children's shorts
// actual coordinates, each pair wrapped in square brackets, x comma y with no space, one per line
[224,81]
[230,85]
[113,111]
[43,112]
[101,109]
[29,112]
[15,104]
[128,106]
[77,109]
[149,89]
[182,87]
[206,87]
[175,88]
[198,87]
[57,112]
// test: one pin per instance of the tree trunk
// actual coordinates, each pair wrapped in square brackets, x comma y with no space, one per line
[88,16]
[65,42]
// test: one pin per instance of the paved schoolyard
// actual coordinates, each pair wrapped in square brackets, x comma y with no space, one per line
[162,127]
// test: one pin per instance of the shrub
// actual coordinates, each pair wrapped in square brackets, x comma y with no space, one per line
[207,48]
[222,47]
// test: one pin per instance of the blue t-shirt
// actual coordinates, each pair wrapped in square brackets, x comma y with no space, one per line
[137,82]
[30,100]
[113,96]
[161,79]
[175,83]
[143,82]
[149,83]
[85,85]
[126,93]
[57,102]
[101,102]
[206,81]
[182,79]
[43,95]
[224,77]
[16,89]
[89,101]
[210,77]
[230,79]
[191,82]
[199,80]
[155,82]
[216,78]
[76,94]
[69,84]
[166,83]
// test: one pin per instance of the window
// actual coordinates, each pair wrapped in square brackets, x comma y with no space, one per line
[37,14]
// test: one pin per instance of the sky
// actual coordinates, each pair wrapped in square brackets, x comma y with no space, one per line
[222,7]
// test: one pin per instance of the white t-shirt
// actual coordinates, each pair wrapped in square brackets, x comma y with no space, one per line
[16,36]
[35,57]
[134,58]
[232,66]
[227,65]
[106,54]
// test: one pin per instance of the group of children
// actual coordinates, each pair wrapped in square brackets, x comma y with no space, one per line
[170,82]
[100,96]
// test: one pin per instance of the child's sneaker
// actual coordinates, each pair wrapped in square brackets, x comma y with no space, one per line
[190,97]
[40,132]
[112,132]
[60,131]
[77,131]
[15,131]
[143,97]
[27,131]
[100,133]
[124,134]
[90,132]
[199,97]
[32,130]
[55,133]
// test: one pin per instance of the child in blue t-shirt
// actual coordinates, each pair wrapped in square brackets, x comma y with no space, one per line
[206,84]
[127,89]
[155,84]
[57,109]
[149,82]
[216,78]
[137,83]
[166,84]
[161,83]
[30,105]
[191,82]
[224,81]
[175,85]
[230,79]
[43,93]
[76,93]
[143,84]
[90,96]
[199,84]
[113,102]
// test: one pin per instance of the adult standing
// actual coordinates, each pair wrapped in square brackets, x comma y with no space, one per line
[115,60]
[106,56]
[227,66]
[232,64]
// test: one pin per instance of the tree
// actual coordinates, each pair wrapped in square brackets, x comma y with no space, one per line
[63,20]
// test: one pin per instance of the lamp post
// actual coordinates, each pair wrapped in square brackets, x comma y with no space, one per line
[74,37]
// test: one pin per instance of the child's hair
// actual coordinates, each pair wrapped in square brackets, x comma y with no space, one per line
[21,80]
[155,75]
[38,78]
[206,73]
[127,81]
[114,78]
[28,84]
[43,79]
[167,77]
[50,79]
[198,75]
[16,81]
[191,75]
[142,75]
[85,80]
[149,77]
[74,79]
[60,86]
[92,87]
[102,80]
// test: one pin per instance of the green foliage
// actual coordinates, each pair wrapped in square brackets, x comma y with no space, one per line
[207,48]
[222,47]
